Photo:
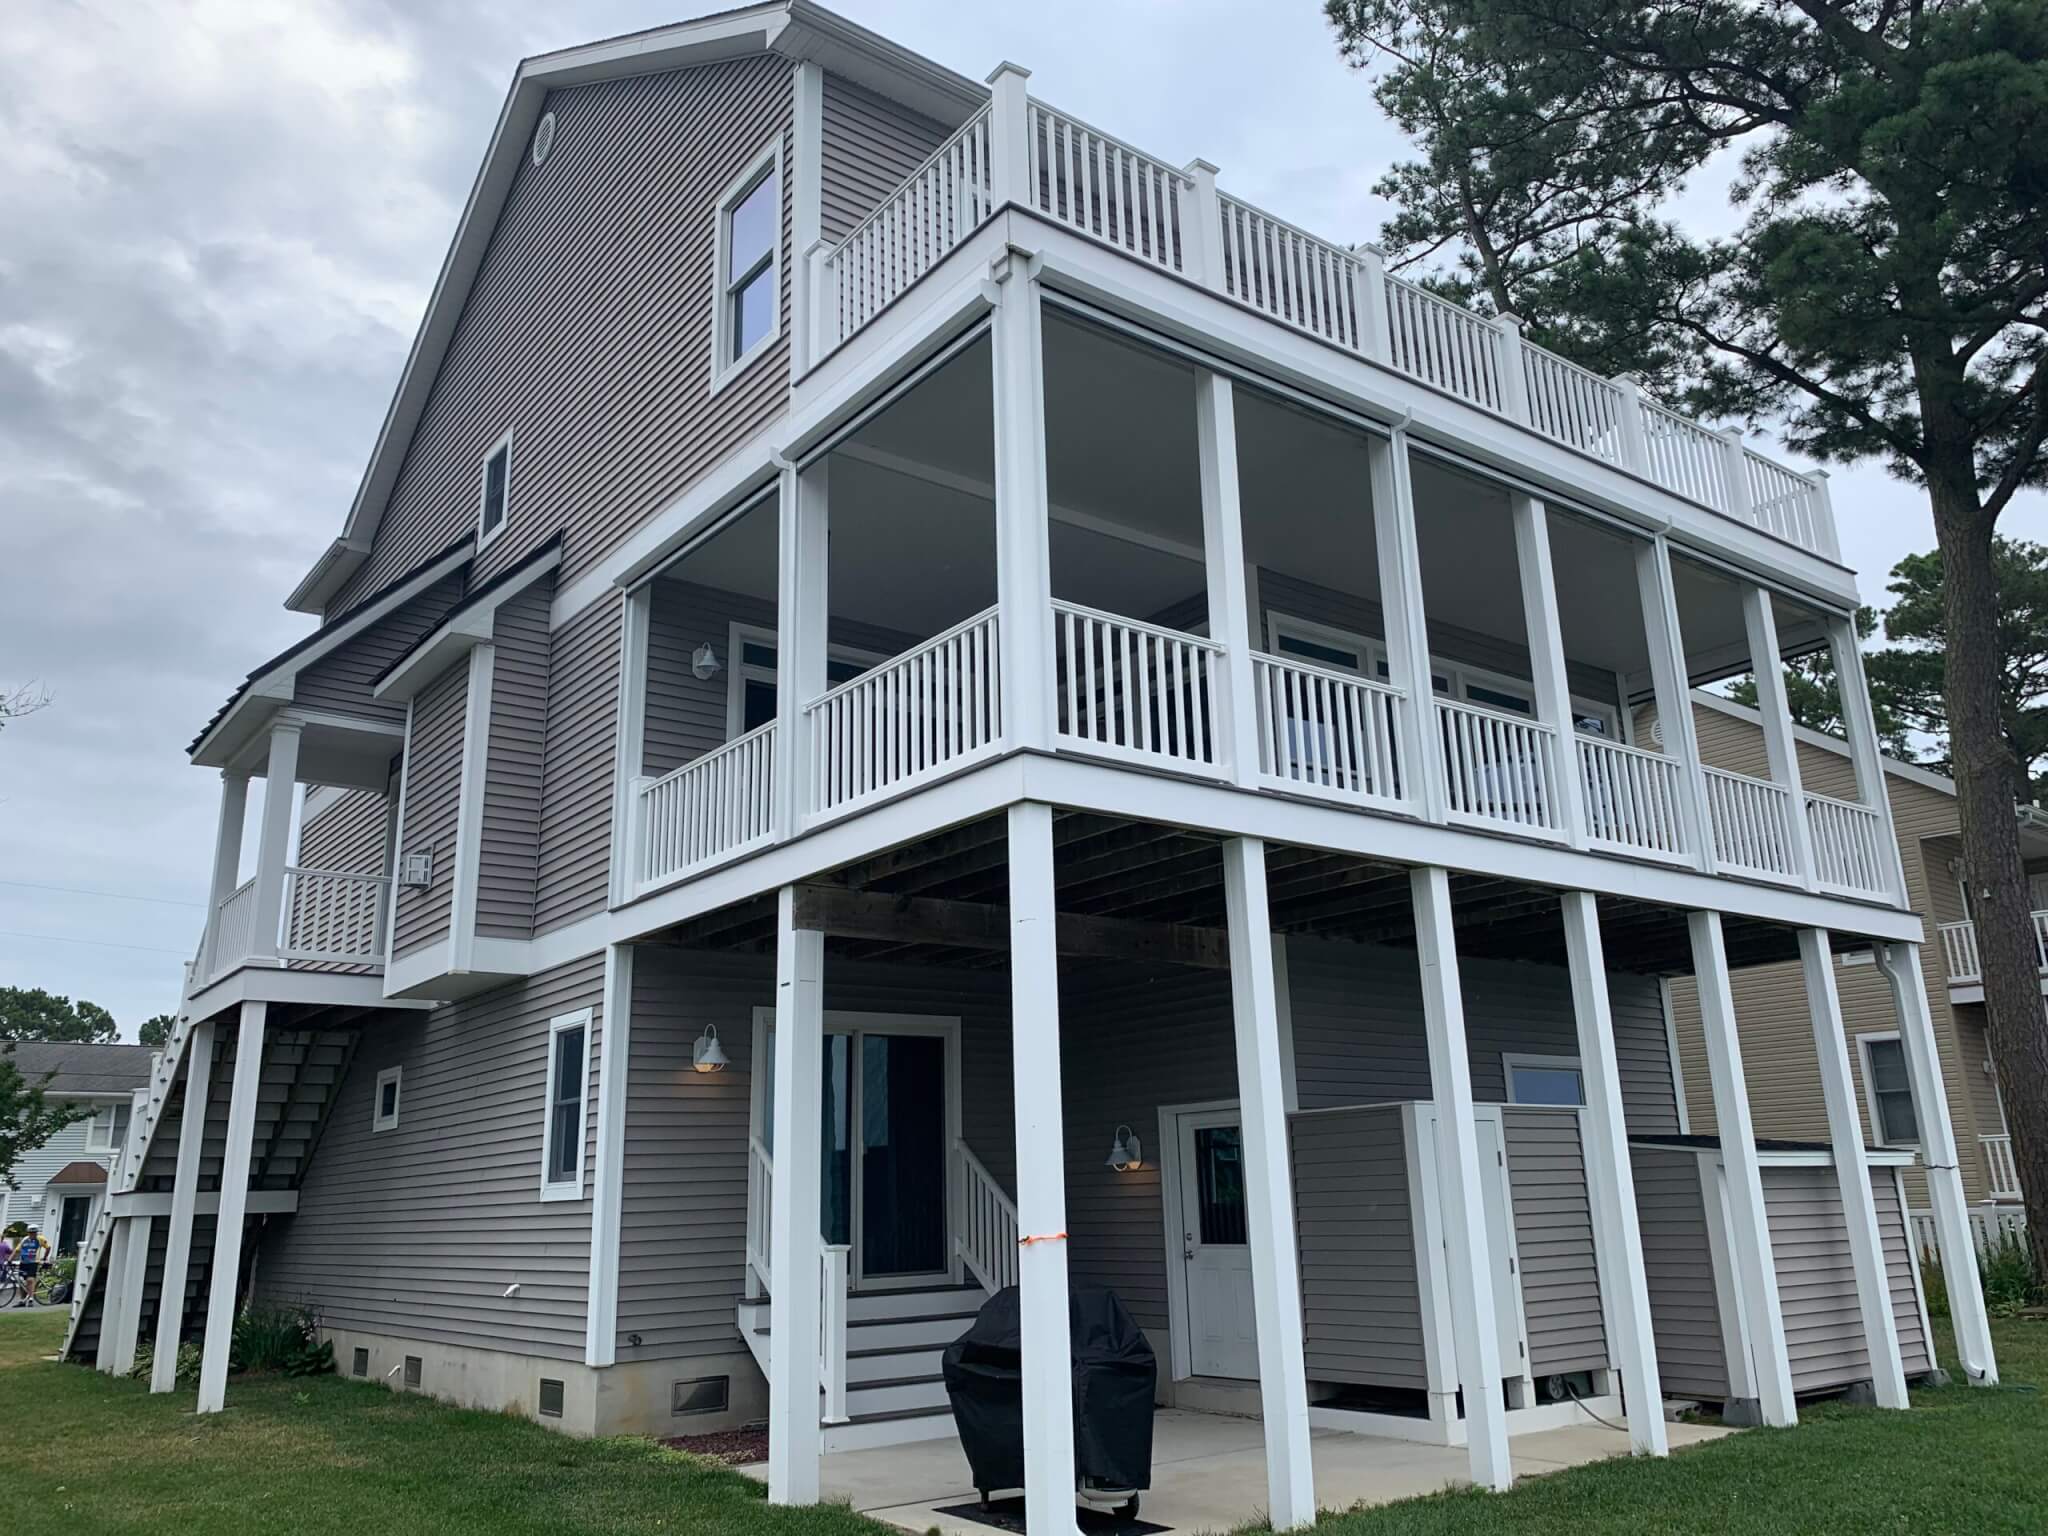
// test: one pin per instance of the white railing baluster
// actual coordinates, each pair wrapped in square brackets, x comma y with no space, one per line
[711,808]
[1100,187]
[333,917]
[1501,769]
[1133,690]
[1632,798]
[1325,731]
[1848,846]
[987,1242]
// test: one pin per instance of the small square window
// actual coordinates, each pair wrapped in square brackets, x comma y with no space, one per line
[384,1113]
[494,491]
[749,273]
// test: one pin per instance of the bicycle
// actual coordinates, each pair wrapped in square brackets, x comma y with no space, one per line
[14,1291]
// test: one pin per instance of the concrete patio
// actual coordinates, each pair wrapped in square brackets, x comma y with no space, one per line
[1209,1471]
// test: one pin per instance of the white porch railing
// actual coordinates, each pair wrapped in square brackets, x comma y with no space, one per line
[1572,405]
[2001,1167]
[833,1269]
[939,205]
[930,710]
[1103,188]
[1290,275]
[329,916]
[1444,344]
[234,929]
[1782,502]
[1500,770]
[1989,1223]
[760,1206]
[1635,800]
[1134,690]
[711,808]
[1849,851]
[987,1239]
[1684,456]
[1752,825]
[1959,948]
[1326,731]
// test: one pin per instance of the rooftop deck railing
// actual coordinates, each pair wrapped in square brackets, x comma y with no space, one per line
[1959,949]
[1018,151]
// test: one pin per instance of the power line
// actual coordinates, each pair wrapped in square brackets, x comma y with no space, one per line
[58,938]
[75,890]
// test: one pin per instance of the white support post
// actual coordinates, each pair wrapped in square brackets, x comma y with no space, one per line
[1369,293]
[614,1076]
[134,1276]
[1852,1170]
[1617,1235]
[280,789]
[1023,555]
[1041,1176]
[1009,127]
[234,1205]
[1824,516]
[1672,684]
[1781,748]
[1734,475]
[807,208]
[1958,1244]
[628,853]
[1408,665]
[469,810]
[114,1296]
[802,609]
[1269,1187]
[1756,1276]
[1635,436]
[795,1251]
[1514,382]
[1866,753]
[227,857]
[1234,719]
[1468,1263]
[1552,686]
[1203,239]
[170,1307]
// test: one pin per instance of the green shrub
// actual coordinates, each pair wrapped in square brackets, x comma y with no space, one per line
[145,1357]
[1933,1283]
[270,1337]
[66,1269]
[2009,1279]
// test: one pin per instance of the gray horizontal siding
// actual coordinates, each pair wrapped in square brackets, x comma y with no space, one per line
[513,767]
[348,834]
[587,330]
[1916,1352]
[574,858]
[1816,1279]
[417,1232]
[870,146]
[1360,1300]
[432,799]
[1678,1260]
[1554,1237]
[342,679]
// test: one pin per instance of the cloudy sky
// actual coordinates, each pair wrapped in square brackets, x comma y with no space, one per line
[218,226]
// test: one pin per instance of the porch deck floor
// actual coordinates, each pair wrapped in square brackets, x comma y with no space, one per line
[1209,1471]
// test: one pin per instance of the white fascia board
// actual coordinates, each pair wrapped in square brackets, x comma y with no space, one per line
[275,984]
[465,629]
[1913,772]
[868,59]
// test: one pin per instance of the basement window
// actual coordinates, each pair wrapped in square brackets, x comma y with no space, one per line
[413,1372]
[384,1112]
[551,1398]
[359,1362]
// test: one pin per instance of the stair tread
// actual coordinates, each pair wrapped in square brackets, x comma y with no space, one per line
[895,1381]
[890,1415]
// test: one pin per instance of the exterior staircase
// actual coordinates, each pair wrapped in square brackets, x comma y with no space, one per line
[894,1339]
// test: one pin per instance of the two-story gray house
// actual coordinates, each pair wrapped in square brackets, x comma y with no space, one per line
[917,699]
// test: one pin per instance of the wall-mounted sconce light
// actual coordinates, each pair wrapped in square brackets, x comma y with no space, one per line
[708,1055]
[1125,1153]
[704,662]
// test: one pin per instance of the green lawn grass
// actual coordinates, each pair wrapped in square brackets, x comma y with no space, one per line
[290,1456]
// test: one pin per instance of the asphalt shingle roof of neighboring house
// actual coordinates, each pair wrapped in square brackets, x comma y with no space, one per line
[82,1068]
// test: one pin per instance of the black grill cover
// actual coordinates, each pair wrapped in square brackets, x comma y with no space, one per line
[1114,1376]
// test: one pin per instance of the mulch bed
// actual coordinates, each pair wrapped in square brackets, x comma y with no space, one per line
[733,1447]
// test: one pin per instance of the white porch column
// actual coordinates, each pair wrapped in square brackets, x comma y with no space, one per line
[1023,556]
[234,1204]
[802,606]
[227,854]
[1852,1171]
[1781,749]
[114,1297]
[1269,1187]
[1400,563]
[1938,1152]
[614,1073]
[170,1307]
[1865,752]
[1468,1265]
[1041,1175]
[467,875]
[1673,687]
[134,1276]
[1552,687]
[280,790]
[1616,1233]
[628,849]
[1756,1276]
[1230,617]
[794,1247]
[807,208]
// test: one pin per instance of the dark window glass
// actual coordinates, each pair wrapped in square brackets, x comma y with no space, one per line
[387,1104]
[757,704]
[753,313]
[1219,1172]
[1548,1085]
[1479,693]
[753,230]
[494,488]
[755,654]
[1893,1090]
[565,1142]
[1328,655]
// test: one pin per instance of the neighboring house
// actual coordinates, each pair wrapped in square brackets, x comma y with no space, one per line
[913,700]
[60,1185]
[1785,1092]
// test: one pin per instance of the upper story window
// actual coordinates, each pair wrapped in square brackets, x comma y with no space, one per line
[562,1131]
[107,1128]
[1891,1091]
[494,491]
[749,265]
[384,1108]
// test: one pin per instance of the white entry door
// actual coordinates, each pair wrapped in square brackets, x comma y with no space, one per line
[1222,1338]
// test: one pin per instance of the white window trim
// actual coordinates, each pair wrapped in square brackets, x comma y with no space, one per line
[109,1115]
[738,672]
[723,372]
[1509,1060]
[1863,1044]
[483,480]
[379,1121]
[565,1189]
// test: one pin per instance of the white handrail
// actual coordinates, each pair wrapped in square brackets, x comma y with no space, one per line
[1291,275]
[2004,1171]
[1134,690]
[1572,405]
[1684,456]
[234,929]
[1959,948]
[1634,799]
[1445,344]
[1499,768]
[987,1240]
[711,808]
[930,710]
[1112,192]
[334,915]
[760,1207]
[1848,846]
[1751,820]
[1324,730]
[1783,502]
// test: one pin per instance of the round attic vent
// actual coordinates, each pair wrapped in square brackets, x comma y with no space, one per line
[543,138]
